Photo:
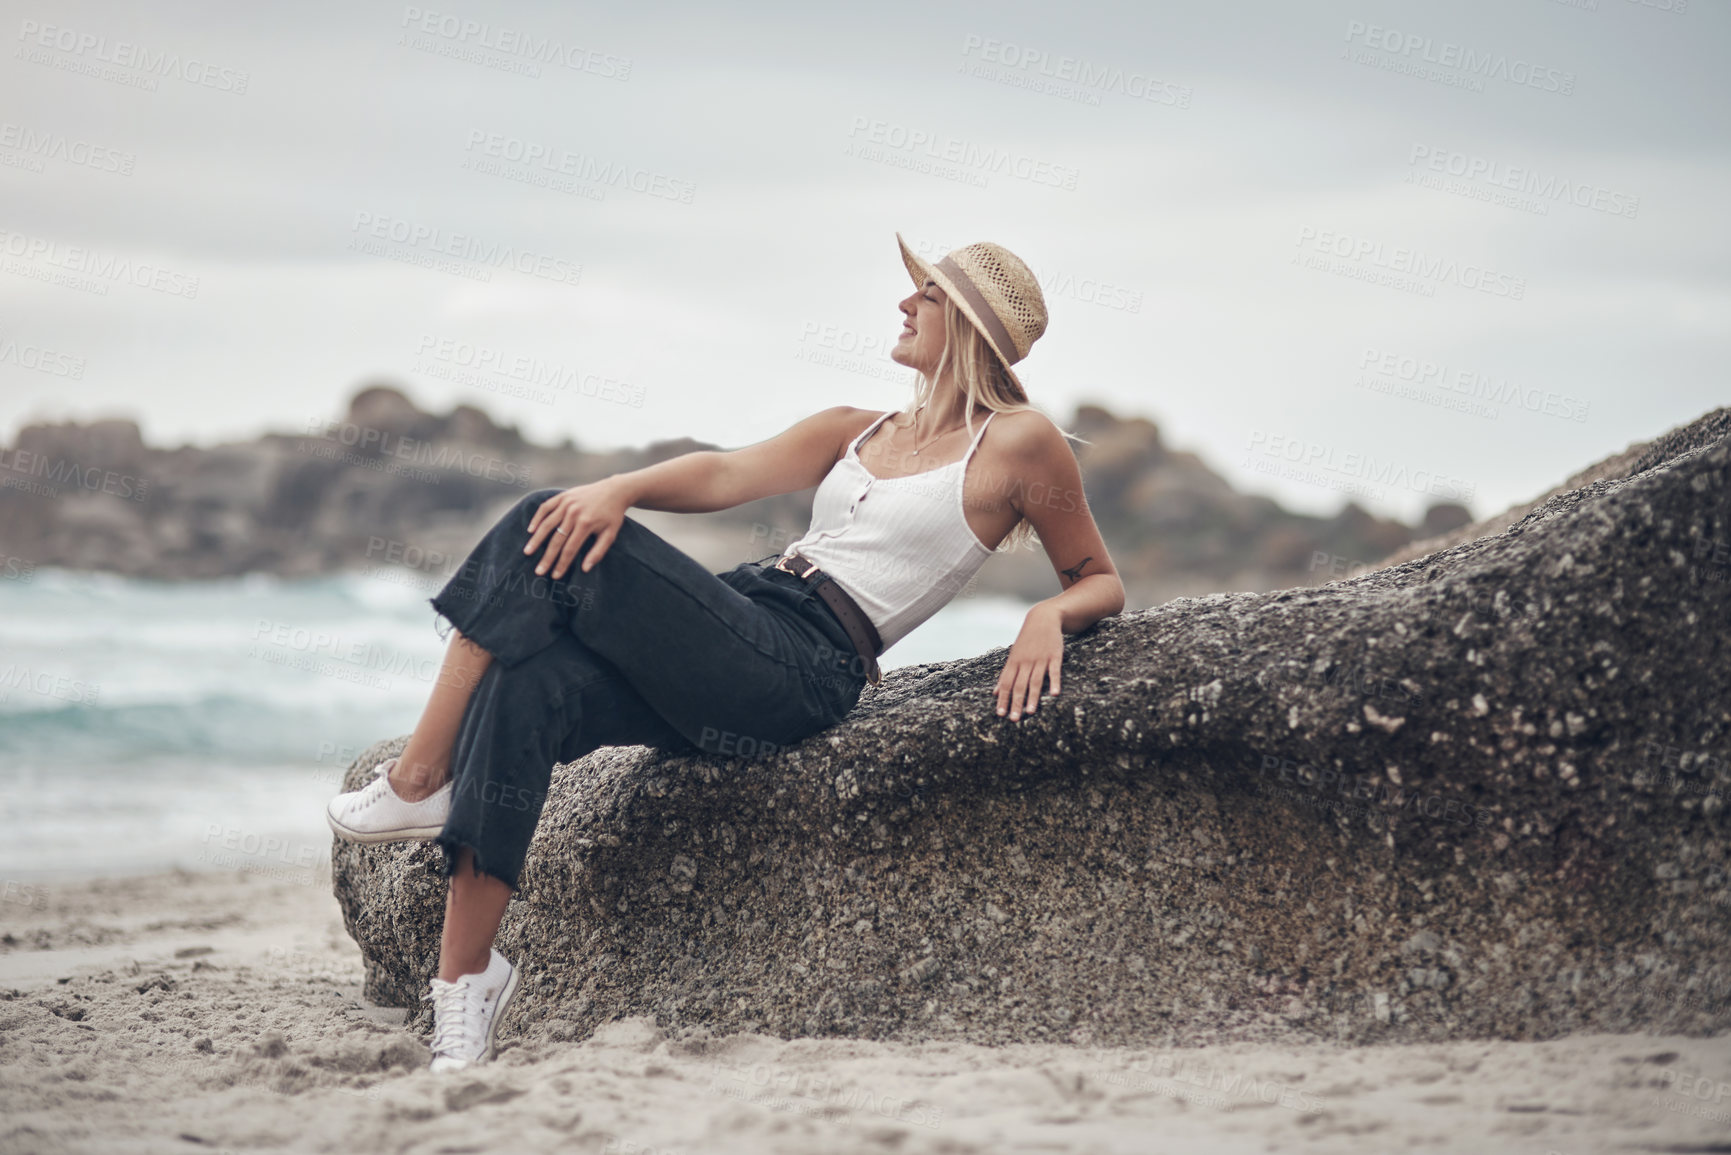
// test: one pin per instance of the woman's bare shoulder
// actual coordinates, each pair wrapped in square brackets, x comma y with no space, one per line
[1027,435]
[842,418]
[841,424]
[858,416]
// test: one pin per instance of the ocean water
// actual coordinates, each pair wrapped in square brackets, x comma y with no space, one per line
[202,725]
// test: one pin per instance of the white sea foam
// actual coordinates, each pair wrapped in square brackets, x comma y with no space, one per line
[136,714]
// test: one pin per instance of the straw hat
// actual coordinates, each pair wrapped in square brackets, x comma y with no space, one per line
[996,291]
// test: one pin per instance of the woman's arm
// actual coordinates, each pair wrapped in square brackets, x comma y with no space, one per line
[1047,491]
[707,480]
[698,482]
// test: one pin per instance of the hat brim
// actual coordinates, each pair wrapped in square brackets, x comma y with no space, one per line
[922,271]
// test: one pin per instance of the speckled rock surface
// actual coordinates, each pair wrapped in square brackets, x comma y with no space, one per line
[1481,793]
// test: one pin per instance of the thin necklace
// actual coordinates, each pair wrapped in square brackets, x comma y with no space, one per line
[929,440]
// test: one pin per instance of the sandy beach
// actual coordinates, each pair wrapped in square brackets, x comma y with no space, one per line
[221,1012]
[1277,457]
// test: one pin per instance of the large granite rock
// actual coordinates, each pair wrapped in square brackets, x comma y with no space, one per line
[1481,793]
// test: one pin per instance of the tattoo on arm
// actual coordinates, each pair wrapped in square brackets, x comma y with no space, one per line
[1074,573]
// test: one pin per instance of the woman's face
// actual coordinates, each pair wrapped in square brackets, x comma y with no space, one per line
[922,338]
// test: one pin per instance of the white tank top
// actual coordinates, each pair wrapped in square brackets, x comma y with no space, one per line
[901,546]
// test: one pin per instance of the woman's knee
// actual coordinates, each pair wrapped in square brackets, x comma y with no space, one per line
[524,510]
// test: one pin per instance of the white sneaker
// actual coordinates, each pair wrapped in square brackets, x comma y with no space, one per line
[466,1014]
[375,813]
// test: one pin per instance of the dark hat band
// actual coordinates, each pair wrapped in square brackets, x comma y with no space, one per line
[993,323]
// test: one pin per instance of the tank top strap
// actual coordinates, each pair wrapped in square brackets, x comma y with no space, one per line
[976,442]
[868,431]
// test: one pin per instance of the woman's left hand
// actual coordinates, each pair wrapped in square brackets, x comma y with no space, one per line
[1036,655]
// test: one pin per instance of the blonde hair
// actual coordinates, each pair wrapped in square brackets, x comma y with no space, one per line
[980,375]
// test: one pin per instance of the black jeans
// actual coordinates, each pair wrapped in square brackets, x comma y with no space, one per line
[646,649]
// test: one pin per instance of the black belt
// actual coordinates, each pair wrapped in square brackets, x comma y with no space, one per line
[859,628]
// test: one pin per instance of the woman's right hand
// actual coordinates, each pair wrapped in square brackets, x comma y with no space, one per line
[564,520]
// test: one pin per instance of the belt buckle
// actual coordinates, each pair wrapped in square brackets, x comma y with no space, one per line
[789,557]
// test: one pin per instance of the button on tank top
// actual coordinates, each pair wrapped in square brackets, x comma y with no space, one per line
[901,546]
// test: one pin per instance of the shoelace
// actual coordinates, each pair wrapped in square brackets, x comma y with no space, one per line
[379,786]
[457,1011]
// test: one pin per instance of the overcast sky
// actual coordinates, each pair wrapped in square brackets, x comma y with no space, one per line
[1416,248]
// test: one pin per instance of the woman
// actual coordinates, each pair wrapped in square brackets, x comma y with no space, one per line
[576,627]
